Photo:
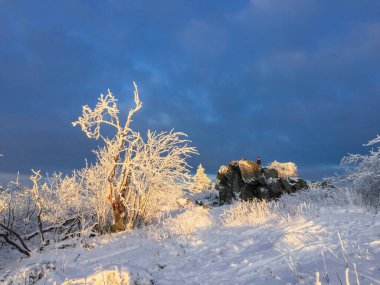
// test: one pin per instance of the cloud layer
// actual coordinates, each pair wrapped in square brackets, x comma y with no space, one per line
[286,80]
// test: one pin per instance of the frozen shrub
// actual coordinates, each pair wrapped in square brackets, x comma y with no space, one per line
[18,217]
[285,169]
[61,198]
[94,192]
[35,273]
[201,182]
[142,175]
[69,207]
[363,174]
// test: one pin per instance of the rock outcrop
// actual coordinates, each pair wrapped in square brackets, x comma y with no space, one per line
[244,179]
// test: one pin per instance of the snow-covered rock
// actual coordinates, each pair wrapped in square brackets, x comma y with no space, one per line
[245,179]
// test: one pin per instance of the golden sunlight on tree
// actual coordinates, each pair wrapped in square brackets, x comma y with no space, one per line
[142,175]
[201,181]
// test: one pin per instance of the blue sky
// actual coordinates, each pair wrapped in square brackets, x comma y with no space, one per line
[287,80]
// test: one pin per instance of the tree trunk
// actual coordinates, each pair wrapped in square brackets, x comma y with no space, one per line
[118,207]
[118,210]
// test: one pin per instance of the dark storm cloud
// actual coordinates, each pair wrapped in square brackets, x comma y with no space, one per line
[287,80]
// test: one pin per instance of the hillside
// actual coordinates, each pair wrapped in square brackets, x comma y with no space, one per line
[284,242]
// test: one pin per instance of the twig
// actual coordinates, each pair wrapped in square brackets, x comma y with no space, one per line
[339,279]
[356,273]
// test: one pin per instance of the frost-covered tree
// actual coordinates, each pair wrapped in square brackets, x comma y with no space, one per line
[284,169]
[363,174]
[134,179]
[17,217]
[53,209]
[201,182]
[139,172]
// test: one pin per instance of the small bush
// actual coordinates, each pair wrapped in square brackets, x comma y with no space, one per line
[285,169]
[363,175]
[201,182]
[33,274]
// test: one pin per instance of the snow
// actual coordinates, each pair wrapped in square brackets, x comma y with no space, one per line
[286,249]
[223,169]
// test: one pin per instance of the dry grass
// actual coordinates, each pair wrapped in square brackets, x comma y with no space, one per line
[184,224]
[103,277]
[247,213]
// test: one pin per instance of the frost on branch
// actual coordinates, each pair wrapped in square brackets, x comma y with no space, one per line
[142,176]
[363,174]
[16,217]
[374,141]
[105,112]
[158,172]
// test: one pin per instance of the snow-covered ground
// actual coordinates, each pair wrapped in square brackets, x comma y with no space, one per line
[288,245]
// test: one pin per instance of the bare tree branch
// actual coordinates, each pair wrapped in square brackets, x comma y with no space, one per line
[16,235]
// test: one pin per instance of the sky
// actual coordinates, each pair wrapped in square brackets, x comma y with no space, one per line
[284,79]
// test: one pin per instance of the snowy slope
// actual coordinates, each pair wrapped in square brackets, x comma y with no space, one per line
[285,248]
